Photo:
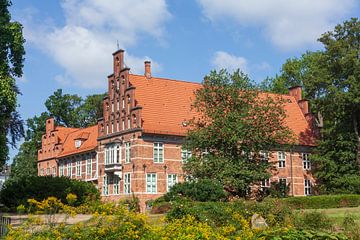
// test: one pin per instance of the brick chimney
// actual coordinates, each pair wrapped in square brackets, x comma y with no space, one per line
[50,124]
[118,61]
[296,92]
[147,69]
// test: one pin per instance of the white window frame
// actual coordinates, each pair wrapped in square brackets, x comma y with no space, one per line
[54,171]
[185,155]
[69,168]
[48,171]
[284,180]
[281,159]
[307,187]
[171,180]
[116,185]
[105,187]
[78,143]
[111,154]
[78,167]
[158,150]
[127,183]
[264,156]
[61,169]
[41,172]
[306,161]
[89,165]
[127,152]
[151,183]
[265,183]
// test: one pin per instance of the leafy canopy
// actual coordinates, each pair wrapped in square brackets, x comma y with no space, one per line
[236,123]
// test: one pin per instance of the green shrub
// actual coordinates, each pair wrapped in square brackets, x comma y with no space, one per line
[313,220]
[203,190]
[323,201]
[295,234]
[17,192]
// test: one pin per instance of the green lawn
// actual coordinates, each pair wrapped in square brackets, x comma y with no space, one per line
[338,214]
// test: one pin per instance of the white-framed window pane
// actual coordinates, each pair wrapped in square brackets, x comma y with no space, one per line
[171,181]
[281,159]
[69,169]
[118,154]
[116,184]
[185,155]
[307,187]
[127,152]
[283,181]
[88,165]
[264,156]
[306,161]
[127,183]
[105,185]
[158,152]
[78,167]
[151,186]
[265,183]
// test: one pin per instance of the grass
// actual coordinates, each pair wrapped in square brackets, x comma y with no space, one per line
[338,214]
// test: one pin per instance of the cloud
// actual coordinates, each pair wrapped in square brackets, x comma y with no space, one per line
[83,46]
[289,24]
[228,61]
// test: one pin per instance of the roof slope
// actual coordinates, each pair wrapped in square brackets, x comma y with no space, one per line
[167,104]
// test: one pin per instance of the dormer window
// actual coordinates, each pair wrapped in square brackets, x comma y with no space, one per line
[78,143]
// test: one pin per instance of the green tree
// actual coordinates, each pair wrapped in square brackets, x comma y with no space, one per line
[236,123]
[11,63]
[331,81]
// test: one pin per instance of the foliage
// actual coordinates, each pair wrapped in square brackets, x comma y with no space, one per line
[331,82]
[323,201]
[236,123]
[11,63]
[203,190]
[18,191]
[313,220]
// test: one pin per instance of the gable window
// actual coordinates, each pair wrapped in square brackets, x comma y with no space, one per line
[307,187]
[151,183]
[185,155]
[127,152]
[281,159]
[171,181]
[78,143]
[158,152]
[306,161]
[116,184]
[127,183]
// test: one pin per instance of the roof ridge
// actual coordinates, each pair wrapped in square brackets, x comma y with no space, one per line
[169,79]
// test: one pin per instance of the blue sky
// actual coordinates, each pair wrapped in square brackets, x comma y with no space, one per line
[70,42]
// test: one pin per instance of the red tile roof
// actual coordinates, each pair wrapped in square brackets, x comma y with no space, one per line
[167,104]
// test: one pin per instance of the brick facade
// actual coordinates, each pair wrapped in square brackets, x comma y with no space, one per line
[137,146]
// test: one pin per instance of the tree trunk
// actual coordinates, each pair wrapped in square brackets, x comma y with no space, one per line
[356,130]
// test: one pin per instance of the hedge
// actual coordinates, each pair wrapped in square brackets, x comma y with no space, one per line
[17,192]
[323,201]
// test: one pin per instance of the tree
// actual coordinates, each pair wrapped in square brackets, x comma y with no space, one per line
[236,122]
[11,63]
[69,111]
[331,81]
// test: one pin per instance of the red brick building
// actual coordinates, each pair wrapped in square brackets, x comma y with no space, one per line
[136,146]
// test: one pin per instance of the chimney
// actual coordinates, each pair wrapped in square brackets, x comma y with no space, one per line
[118,61]
[147,69]
[296,92]
[304,106]
[50,124]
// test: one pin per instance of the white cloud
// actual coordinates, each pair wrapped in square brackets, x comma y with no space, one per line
[228,61]
[288,24]
[84,45]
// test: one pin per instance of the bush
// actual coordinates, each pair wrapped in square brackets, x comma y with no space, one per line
[323,201]
[203,190]
[17,192]
[313,220]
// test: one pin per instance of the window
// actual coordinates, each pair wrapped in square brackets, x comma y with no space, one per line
[48,171]
[69,170]
[283,181]
[42,172]
[105,190]
[88,166]
[107,128]
[265,184]
[78,167]
[112,154]
[185,155]
[264,156]
[61,169]
[281,159]
[112,107]
[151,186]
[127,152]
[77,143]
[158,152]
[118,104]
[116,184]
[129,123]
[306,161]
[123,103]
[171,180]
[123,124]
[127,183]
[112,127]
[307,187]
[54,171]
